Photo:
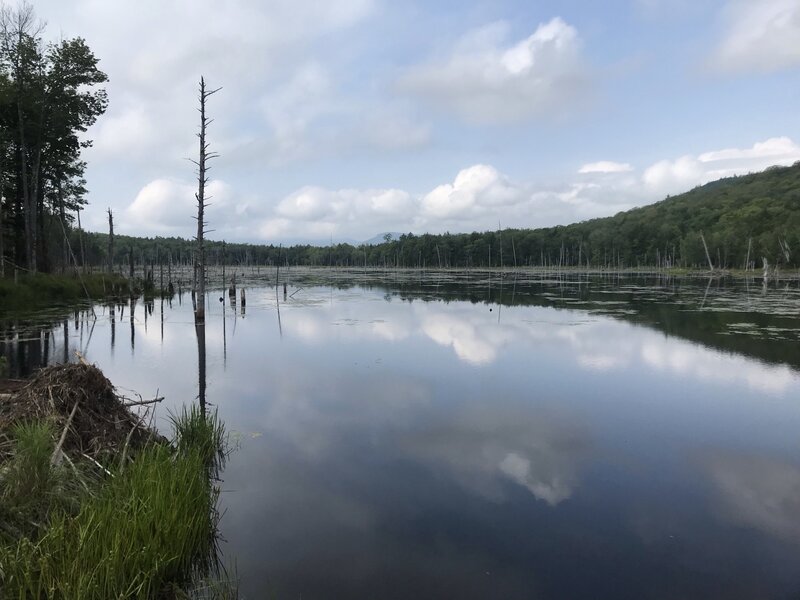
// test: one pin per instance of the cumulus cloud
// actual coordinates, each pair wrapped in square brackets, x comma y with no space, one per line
[480,195]
[674,176]
[475,200]
[486,79]
[315,213]
[166,207]
[474,189]
[759,36]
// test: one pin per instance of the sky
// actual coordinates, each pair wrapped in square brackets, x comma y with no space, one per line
[343,119]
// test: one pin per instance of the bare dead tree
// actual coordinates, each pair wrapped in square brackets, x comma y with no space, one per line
[708,256]
[200,196]
[110,241]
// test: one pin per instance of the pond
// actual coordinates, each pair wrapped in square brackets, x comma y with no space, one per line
[483,436]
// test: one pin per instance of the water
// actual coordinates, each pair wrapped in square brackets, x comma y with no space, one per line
[486,438]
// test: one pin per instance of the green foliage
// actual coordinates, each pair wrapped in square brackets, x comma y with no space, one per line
[50,94]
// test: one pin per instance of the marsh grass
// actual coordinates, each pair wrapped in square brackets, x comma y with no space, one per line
[30,487]
[42,289]
[142,531]
[196,431]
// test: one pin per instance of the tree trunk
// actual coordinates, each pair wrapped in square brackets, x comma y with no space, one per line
[110,265]
[2,244]
[200,308]
[30,229]
[62,215]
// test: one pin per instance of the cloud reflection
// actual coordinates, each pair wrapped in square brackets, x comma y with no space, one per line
[486,445]
[758,492]
[594,343]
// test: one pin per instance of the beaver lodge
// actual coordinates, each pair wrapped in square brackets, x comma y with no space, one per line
[79,401]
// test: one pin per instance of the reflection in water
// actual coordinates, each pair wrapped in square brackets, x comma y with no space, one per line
[131,318]
[480,446]
[65,356]
[112,317]
[200,330]
[542,449]
[758,492]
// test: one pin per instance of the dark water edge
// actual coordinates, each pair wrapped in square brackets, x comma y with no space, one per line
[468,435]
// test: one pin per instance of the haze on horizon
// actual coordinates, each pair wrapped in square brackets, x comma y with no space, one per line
[352,117]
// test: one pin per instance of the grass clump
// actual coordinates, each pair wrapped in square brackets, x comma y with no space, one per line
[195,431]
[143,530]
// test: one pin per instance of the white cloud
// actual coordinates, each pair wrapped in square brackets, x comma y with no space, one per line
[760,36]
[487,80]
[681,174]
[474,189]
[167,207]
[478,197]
[316,213]
[262,54]
[605,166]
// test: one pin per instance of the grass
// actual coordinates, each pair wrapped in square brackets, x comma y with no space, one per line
[146,528]
[195,431]
[41,290]
[31,487]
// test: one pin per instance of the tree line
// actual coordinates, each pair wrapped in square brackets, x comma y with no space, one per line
[741,220]
[50,94]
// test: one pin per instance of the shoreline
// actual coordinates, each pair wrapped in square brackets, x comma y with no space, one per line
[77,462]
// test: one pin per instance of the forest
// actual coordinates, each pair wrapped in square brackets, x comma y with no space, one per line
[50,94]
[744,220]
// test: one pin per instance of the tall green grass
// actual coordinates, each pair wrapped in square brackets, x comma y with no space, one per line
[142,532]
[194,430]
[30,487]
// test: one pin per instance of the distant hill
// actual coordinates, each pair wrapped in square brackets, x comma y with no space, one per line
[742,219]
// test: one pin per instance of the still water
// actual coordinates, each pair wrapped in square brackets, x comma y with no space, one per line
[486,438]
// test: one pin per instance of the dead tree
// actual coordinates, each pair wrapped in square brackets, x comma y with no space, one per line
[708,256]
[200,196]
[110,241]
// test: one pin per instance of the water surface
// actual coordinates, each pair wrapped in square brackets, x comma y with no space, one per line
[488,437]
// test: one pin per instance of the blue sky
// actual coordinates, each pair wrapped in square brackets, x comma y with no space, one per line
[351,117]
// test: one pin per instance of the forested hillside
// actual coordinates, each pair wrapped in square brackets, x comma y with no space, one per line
[746,218]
